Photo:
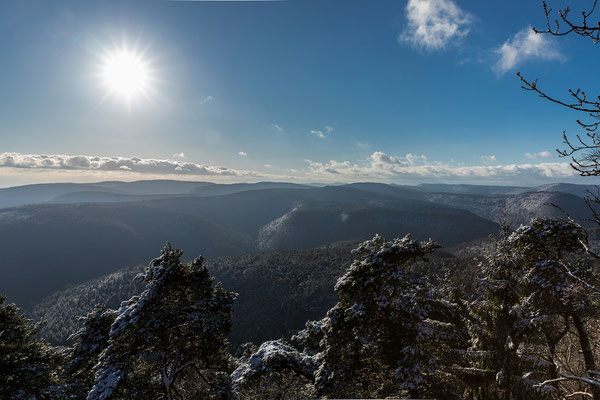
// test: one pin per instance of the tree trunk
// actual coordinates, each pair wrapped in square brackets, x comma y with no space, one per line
[553,340]
[166,379]
[586,349]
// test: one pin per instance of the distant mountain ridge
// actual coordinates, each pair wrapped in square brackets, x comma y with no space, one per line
[117,191]
[80,231]
[520,209]
[49,246]
[481,190]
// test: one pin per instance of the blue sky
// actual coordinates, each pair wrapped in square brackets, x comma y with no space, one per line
[395,91]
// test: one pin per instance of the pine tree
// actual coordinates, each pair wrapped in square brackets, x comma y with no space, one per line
[390,330]
[499,328]
[556,296]
[29,368]
[528,297]
[90,340]
[389,334]
[172,339]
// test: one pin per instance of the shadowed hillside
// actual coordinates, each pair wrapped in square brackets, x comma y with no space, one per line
[278,292]
[50,246]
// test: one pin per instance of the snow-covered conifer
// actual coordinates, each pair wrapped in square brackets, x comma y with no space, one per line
[177,327]
[90,340]
[29,367]
[390,329]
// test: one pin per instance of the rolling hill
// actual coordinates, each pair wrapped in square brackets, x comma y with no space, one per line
[316,224]
[520,209]
[47,247]
[86,230]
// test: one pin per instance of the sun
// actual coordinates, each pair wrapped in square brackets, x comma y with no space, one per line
[126,75]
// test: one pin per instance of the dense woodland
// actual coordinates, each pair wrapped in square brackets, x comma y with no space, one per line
[520,322]
[277,293]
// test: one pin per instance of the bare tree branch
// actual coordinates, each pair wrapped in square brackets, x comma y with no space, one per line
[554,26]
[584,151]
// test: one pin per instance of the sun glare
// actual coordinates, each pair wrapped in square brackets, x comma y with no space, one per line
[126,75]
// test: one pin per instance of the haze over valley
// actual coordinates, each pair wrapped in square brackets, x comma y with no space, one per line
[57,235]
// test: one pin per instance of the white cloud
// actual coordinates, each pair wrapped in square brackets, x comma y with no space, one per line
[318,134]
[491,158]
[180,155]
[410,159]
[435,24]
[242,153]
[278,127]
[414,159]
[525,45]
[541,154]
[107,164]
[379,166]
[363,145]
[383,167]
[207,99]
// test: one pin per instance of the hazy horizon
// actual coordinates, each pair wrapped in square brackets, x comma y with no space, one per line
[299,182]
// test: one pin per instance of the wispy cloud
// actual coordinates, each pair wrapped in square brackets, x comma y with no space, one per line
[180,155]
[435,24]
[106,164]
[541,154]
[525,45]
[363,145]
[488,159]
[318,133]
[207,99]
[268,166]
[278,127]
[242,153]
[411,168]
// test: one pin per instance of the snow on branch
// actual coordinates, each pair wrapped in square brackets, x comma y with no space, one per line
[274,356]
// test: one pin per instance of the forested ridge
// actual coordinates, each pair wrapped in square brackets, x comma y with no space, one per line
[277,293]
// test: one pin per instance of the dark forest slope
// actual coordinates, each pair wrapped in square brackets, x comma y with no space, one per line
[278,292]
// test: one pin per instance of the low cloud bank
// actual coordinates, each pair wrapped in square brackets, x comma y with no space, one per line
[378,167]
[412,168]
[128,164]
